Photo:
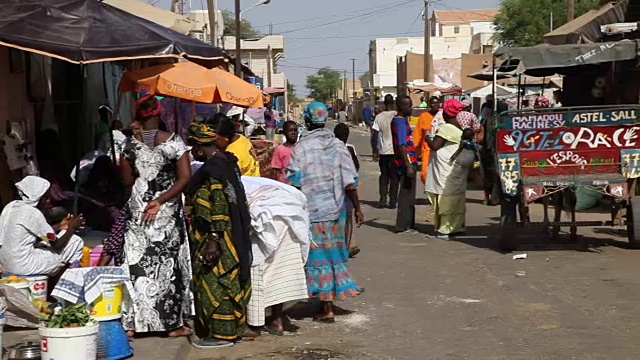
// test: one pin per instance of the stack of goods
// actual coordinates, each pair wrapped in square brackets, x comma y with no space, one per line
[264,151]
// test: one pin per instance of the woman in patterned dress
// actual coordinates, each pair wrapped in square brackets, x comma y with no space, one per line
[156,251]
[220,243]
[322,168]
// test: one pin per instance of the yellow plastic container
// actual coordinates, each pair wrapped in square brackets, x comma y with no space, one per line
[108,306]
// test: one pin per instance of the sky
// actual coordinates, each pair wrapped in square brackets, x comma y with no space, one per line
[321,33]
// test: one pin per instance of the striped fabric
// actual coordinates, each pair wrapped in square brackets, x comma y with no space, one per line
[280,280]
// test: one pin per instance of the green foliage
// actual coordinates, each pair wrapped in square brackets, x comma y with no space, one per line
[323,84]
[291,91]
[525,22]
[247,31]
[70,316]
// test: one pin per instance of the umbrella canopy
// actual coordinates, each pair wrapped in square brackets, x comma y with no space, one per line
[190,81]
[86,31]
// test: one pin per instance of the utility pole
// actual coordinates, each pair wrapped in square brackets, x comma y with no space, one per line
[353,80]
[345,92]
[212,9]
[269,66]
[427,43]
[570,9]
[238,66]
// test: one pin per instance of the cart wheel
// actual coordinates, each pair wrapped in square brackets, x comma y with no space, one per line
[508,212]
[633,220]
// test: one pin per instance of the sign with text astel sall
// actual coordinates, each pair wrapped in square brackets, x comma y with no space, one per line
[548,120]
[577,138]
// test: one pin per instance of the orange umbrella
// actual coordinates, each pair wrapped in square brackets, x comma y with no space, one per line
[190,81]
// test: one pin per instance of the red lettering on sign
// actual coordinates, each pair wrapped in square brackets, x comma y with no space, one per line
[40,286]
[569,162]
[44,346]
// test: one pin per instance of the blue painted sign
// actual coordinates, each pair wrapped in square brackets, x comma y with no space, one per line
[570,119]
[509,170]
[260,83]
[630,159]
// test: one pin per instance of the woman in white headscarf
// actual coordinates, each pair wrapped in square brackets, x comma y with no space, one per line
[29,246]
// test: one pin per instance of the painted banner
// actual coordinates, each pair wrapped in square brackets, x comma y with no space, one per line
[630,159]
[569,162]
[577,138]
[509,170]
[538,121]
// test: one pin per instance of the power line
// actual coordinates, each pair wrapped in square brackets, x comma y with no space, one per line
[329,16]
[355,36]
[388,7]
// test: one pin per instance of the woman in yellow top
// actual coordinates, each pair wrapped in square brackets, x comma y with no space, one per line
[238,145]
[424,128]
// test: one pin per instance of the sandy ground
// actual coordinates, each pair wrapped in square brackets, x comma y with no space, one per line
[463,299]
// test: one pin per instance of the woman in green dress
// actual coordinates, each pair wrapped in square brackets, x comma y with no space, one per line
[219,239]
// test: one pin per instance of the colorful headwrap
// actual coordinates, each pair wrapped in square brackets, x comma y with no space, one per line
[466,103]
[316,113]
[201,133]
[541,102]
[147,107]
[452,107]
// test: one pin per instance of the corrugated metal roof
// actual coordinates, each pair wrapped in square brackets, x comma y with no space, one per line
[166,18]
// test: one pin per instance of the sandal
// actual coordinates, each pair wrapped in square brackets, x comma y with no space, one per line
[272,331]
[330,320]
[353,251]
[204,344]
[182,332]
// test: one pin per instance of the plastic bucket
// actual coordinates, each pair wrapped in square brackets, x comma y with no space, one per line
[24,288]
[79,343]
[3,320]
[109,305]
[94,258]
[38,284]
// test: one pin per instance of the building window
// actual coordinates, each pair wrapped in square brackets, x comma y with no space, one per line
[456,29]
[440,28]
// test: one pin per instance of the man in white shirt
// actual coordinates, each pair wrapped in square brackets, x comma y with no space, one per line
[389,180]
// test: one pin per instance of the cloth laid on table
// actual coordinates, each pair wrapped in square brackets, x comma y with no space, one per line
[270,200]
[87,284]
[243,149]
[280,279]
[25,233]
[220,206]
[447,181]
[18,308]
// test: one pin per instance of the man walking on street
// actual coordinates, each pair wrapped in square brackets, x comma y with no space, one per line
[382,143]
[405,163]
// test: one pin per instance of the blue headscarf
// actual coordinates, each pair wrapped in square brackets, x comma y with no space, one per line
[316,113]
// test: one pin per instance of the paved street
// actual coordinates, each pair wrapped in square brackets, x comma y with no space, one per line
[434,299]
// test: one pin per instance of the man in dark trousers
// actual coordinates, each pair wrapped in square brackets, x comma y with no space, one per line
[382,143]
[405,164]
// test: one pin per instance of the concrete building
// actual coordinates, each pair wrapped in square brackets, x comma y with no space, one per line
[456,32]
[345,92]
[258,55]
[453,33]
[201,28]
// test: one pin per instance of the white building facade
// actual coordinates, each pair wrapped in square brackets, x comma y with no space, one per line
[453,33]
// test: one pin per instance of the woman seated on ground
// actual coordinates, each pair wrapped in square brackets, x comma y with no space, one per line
[451,158]
[280,242]
[219,239]
[30,245]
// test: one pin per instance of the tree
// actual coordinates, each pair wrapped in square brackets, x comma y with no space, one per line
[323,84]
[525,22]
[291,91]
[365,79]
[247,30]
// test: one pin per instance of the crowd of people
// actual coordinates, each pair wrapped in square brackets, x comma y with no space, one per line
[445,141]
[200,228]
